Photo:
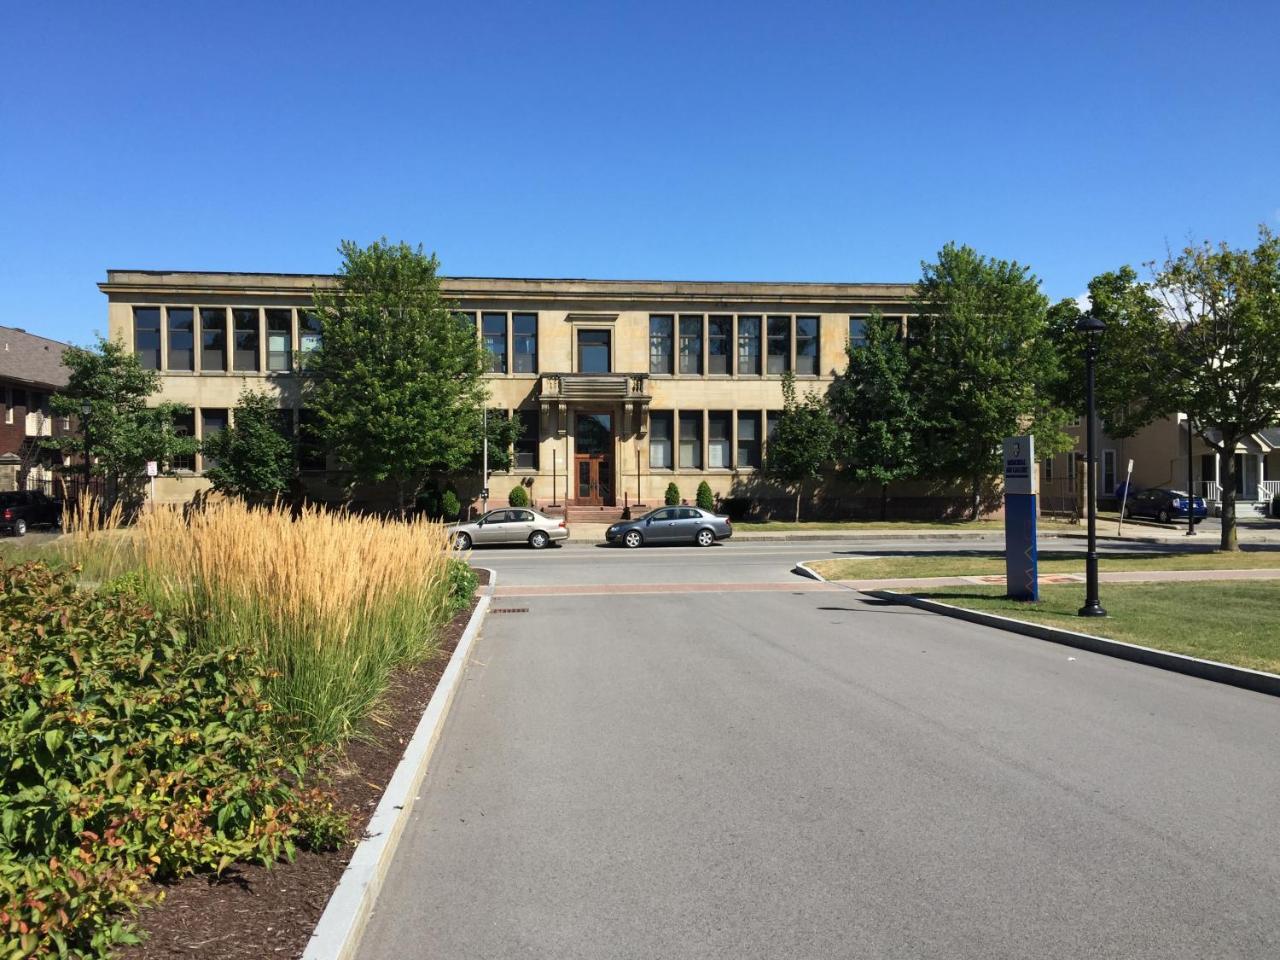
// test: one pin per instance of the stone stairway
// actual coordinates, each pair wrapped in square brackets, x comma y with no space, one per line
[582,513]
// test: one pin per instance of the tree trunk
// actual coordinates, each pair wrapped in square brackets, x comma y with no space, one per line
[1227,474]
[884,502]
[975,510]
[799,494]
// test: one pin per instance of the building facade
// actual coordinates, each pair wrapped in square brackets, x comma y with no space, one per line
[622,387]
[31,370]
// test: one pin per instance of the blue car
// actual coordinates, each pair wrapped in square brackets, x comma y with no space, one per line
[1165,505]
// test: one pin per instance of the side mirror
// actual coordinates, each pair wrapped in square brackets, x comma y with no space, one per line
[649,522]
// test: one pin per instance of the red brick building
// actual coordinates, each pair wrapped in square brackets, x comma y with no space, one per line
[31,370]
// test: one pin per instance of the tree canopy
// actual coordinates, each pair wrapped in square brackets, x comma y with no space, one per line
[252,458]
[803,444]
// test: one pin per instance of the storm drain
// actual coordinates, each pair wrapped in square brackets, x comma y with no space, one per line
[508,609]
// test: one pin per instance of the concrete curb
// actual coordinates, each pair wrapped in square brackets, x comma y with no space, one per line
[1256,680]
[337,935]
[804,570]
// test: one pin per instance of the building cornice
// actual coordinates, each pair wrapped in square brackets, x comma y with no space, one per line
[162,284]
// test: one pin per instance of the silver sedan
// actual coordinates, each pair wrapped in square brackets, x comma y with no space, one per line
[509,525]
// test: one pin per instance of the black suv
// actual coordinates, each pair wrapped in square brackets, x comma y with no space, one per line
[21,509]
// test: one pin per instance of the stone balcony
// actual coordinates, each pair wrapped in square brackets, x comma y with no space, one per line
[556,391]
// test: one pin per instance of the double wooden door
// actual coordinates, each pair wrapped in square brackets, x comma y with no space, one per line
[593,459]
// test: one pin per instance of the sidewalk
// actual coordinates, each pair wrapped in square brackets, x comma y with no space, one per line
[1104,576]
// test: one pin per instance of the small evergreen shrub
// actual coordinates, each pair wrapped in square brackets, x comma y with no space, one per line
[673,494]
[519,496]
[450,506]
[706,500]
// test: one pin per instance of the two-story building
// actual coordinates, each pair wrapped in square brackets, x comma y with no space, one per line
[622,387]
[31,370]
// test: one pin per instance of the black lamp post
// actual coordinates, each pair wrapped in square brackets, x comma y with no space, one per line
[85,409]
[1092,328]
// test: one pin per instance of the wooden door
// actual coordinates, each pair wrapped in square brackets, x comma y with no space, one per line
[593,459]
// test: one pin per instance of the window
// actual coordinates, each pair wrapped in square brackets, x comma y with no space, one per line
[774,417]
[279,341]
[660,440]
[719,334]
[691,345]
[184,425]
[749,346]
[719,440]
[284,423]
[182,338]
[779,344]
[857,332]
[493,327]
[1071,473]
[593,351]
[1108,472]
[691,440]
[8,405]
[1048,468]
[311,451]
[688,513]
[660,336]
[19,400]
[246,339]
[146,336]
[213,338]
[748,439]
[468,320]
[807,346]
[524,334]
[527,445]
[309,331]
[211,422]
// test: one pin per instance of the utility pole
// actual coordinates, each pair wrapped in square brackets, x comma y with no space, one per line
[484,480]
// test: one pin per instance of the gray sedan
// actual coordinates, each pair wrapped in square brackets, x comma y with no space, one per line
[672,525]
[509,525]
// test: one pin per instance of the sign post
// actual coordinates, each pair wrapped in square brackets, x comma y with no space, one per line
[1021,489]
[152,469]
[1124,497]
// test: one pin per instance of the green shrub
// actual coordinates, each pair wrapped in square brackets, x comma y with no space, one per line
[519,496]
[450,506]
[673,494]
[462,585]
[125,754]
[706,500]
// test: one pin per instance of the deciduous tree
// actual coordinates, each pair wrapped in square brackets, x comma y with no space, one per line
[252,458]
[803,443]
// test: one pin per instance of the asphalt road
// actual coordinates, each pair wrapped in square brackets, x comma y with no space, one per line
[764,773]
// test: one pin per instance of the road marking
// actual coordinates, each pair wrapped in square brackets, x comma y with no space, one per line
[598,589]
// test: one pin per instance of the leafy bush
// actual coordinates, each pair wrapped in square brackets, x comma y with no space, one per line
[673,494]
[126,753]
[519,496]
[706,500]
[450,506]
[462,585]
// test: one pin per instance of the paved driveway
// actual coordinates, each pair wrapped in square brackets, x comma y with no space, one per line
[775,775]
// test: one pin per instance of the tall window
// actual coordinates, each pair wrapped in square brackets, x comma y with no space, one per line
[213,338]
[594,350]
[807,346]
[309,331]
[246,338]
[857,332]
[749,345]
[1108,472]
[1048,469]
[660,337]
[719,335]
[211,422]
[691,440]
[182,338]
[719,440]
[527,445]
[779,344]
[524,333]
[748,439]
[146,336]
[279,340]
[660,440]
[184,425]
[691,345]
[774,416]
[494,330]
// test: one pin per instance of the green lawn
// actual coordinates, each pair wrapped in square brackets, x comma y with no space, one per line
[1229,622]
[905,526]
[975,563]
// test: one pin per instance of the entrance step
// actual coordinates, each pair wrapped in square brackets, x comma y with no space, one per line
[592,514]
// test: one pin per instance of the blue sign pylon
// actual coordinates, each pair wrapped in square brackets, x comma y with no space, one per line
[1021,492]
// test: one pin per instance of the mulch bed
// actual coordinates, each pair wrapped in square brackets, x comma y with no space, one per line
[252,911]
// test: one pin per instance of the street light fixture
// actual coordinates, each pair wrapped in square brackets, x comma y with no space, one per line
[1092,328]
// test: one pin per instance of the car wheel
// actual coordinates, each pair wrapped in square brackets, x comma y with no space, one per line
[19,528]
[1163,516]
[462,541]
[705,538]
[632,539]
[538,539]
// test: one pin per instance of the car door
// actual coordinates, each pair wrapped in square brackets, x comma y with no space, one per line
[661,527]
[1140,504]
[690,522]
[492,527]
[518,526]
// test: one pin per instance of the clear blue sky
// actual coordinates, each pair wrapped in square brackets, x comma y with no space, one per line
[734,140]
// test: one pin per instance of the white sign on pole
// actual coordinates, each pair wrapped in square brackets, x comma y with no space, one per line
[153,469]
[1021,473]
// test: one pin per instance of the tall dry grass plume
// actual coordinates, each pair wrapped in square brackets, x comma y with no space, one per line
[330,600]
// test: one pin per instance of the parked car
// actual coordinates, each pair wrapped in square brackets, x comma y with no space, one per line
[23,509]
[509,525]
[672,525]
[1164,505]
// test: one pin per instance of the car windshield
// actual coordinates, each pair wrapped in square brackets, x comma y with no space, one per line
[10,498]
